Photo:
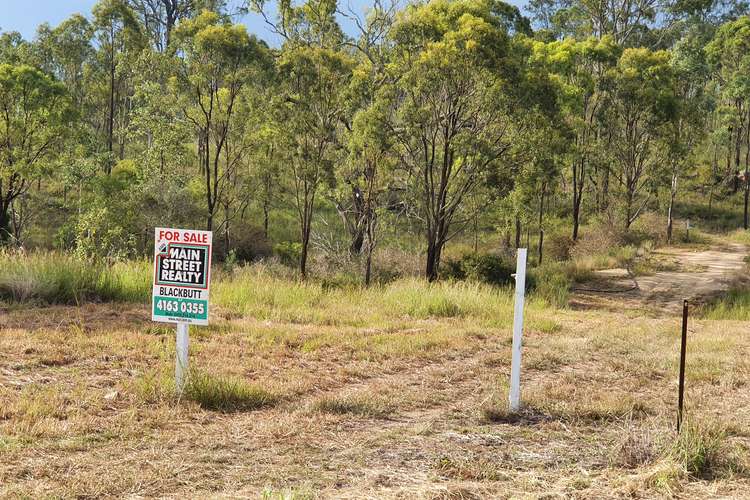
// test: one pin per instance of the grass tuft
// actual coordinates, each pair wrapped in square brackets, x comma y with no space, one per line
[226,394]
[550,404]
[637,447]
[703,451]
[211,392]
[359,405]
[470,469]
[733,305]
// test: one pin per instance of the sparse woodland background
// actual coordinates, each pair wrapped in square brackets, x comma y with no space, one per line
[434,137]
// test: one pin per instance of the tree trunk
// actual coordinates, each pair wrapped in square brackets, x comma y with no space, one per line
[306,229]
[605,190]
[541,223]
[435,242]
[628,207]
[670,220]
[747,168]
[476,233]
[728,168]
[227,236]
[368,266]
[506,238]
[577,196]
[737,154]
[111,118]
[265,219]
[4,223]
[358,241]
[303,260]
[433,261]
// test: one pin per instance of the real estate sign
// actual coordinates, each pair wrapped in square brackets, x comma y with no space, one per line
[182,268]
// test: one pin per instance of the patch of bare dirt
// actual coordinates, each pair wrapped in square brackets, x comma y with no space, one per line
[698,276]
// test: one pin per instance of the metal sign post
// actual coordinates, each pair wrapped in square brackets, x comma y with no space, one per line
[181,360]
[683,348]
[515,365]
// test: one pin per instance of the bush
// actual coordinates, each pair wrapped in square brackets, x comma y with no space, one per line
[596,239]
[733,305]
[558,246]
[288,252]
[392,263]
[485,268]
[99,236]
[551,282]
[703,451]
[648,227]
[246,244]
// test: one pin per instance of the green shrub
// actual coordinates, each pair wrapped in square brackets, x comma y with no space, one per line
[703,451]
[98,235]
[551,282]
[485,268]
[288,252]
[648,227]
[247,244]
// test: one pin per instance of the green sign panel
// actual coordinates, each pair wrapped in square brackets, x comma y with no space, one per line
[177,308]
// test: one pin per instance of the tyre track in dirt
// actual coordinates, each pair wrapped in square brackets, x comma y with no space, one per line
[699,277]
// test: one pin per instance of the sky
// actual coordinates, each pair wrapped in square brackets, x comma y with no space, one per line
[25,15]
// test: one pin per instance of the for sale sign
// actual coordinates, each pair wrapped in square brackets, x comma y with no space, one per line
[182,268]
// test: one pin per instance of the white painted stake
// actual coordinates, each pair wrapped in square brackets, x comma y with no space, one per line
[515,365]
[181,361]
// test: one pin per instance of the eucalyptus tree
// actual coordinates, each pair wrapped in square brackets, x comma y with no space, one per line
[118,36]
[67,52]
[458,76]
[729,54]
[363,178]
[579,67]
[687,126]
[314,70]
[641,100]
[159,18]
[217,61]
[14,49]
[369,172]
[627,23]
[35,114]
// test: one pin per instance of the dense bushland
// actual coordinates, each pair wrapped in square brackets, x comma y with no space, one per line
[429,138]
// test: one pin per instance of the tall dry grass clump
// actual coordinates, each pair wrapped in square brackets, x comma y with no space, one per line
[56,278]
[257,291]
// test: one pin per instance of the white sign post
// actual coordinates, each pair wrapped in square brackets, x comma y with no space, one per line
[515,364]
[181,359]
[182,269]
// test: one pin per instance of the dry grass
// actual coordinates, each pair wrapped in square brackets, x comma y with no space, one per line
[395,392]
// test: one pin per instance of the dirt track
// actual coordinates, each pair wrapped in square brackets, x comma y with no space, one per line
[697,276]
